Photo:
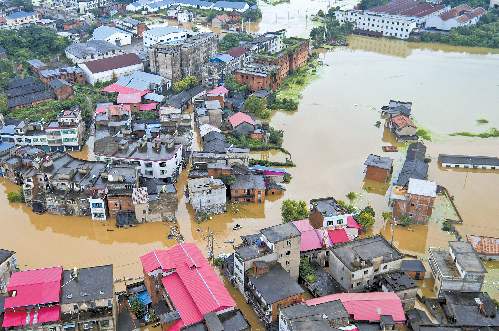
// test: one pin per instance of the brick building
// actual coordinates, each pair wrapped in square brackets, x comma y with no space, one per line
[185,58]
[62,89]
[259,76]
[248,188]
[378,168]
[293,57]
[416,200]
[72,75]
[322,208]
[72,24]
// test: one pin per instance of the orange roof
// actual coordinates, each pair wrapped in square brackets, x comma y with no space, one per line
[402,121]
[484,245]
[223,17]
[115,110]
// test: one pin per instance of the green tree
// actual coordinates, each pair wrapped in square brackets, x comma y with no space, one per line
[28,6]
[96,12]
[4,109]
[137,307]
[227,179]
[405,220]
[366,4]
[275,136]
[255,105]
[252,15]
[320,13]
[232,40]
[385,215]
[365,220]
[293,210]
[369,210]
[7,67]
[306,271]
[351,195]
[348,207]
[148,115]
[233,86]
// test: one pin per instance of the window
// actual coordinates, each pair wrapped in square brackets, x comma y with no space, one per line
[405,294]
[104,323]
[144,211]
[358,284]
[376,270]
[288,242]
[366,272]
[288,253]
[341,278]
[287,262]
[340,221]
[385,267]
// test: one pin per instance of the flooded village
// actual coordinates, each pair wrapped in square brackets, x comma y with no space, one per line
[171,206]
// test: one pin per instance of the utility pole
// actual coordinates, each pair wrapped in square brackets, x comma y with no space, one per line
[210,245]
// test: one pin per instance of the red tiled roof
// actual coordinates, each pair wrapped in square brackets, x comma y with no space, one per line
[18,318]
[430,11]
[112,63]
[484,245]
[416,10]
[218,91]
[115,110]
[34,287]
[194,287]
[239,118]
[129,98]
[223,17]
[309,238]
[123,89]
[236,51]
[402,121]
[454,12]
[338,235]
[366,306]
[144,106]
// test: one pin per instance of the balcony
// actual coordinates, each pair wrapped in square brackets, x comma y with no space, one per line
[86,315]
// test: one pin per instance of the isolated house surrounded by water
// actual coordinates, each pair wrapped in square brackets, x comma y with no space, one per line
[322,208]
[456,269]
[465,161]
[402,127]
[207,195]
[378,168]
[248,188]
[416,200]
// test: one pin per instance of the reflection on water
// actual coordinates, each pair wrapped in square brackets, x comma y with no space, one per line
[385,46]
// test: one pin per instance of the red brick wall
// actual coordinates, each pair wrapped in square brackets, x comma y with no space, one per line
[273,192]
[65,92]
[220,98]
[216,172]
[283,304]
[299,58]
[377,174]
[116,204]
[256,136]
[282,61]
[140,29]
[419,206]
[255,83]
[241,195]
[316,219]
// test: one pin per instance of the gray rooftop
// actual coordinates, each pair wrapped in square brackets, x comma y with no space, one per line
[326,206]
[95,283]
[5,255]
[246,182]
[366,249]
[413,265]
[471,160]
[466,256]
[398,281]
[280,232]
[332,309]
[463,307]
[379,162]
[276,284]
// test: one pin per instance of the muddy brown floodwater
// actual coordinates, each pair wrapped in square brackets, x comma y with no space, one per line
[329,138]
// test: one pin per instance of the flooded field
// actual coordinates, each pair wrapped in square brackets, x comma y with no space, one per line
[329,137]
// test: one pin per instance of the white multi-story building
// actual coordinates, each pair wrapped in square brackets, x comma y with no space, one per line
[462,15]
[21,17]
[111,68]
[388,25]
[207,195]
[162,35]
[113,35]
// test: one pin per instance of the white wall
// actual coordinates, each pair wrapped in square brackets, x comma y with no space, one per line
[105,76]
[149,39]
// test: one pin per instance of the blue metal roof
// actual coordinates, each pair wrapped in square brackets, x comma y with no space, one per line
[5,146]
[230,4]
[264,168]
[164,30]
[138,84]
[20,14]
[123,80]
[224,58]
[195,3]
[145,298]
[154,97]
[147,77]
[8,129]
[104,31]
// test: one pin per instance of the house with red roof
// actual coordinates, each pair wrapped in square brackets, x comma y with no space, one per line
[219,21]
[183,277]
[220,93]
[462,15]
[487,248]
[242,123]
[402,127]
[368,307]
[132,100]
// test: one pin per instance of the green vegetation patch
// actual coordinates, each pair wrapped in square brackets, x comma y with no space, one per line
[481,121]
[422,133]
[490,133]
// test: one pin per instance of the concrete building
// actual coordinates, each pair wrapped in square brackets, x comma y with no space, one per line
[279,243]
[416,200]
[155,201]
[402,285]
[7,267]
[131,25]
[184,58]
[378,168]
[322,208]
[468,161]
[162,35]
[270,288]
[107,69]
[322,316]
[462,15]
[207,195]
[354,264]
[92,50]
[21,17]
[402,127]
[456,269]
[112,35]
[248,188]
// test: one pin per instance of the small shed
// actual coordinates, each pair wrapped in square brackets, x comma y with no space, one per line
[414,268]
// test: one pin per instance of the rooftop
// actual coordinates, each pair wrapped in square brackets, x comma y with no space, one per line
[165,30]
[402,121]
[397,281]
[482,244]
[103,32]
[327,206]
[111,63]
[413,265]
[329,310]
[203,184]
[354,253]
[379,162]
[280,232]
[469,160]
[95,283]
[422,187]
[464,308]
[309,238]
[5,255]
[466,256]
[276,284]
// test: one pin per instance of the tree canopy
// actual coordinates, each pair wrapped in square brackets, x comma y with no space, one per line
[32,42]
[293,210]
[232,40]
[332,31]
[255,105]
[185,84]
[233,86]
